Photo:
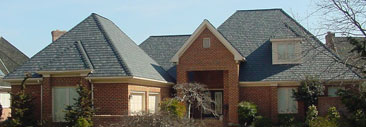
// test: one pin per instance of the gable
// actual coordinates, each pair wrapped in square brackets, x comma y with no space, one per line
[206,25]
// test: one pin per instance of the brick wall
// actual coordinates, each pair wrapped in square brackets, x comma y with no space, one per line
[111,99]
[217,57]
[265,97]
[324,103]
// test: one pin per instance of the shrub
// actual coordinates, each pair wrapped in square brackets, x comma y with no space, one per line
[288,120]
[355,101]
[173,107]
[82,122]
[247,112]
[322,122]
[262,122]
[333,114]
[161,119]
[21,110]
[311,114]
[312,119]
[308,91]
[81,110]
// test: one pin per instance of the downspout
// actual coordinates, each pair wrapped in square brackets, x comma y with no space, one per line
[92,91]
[41,103]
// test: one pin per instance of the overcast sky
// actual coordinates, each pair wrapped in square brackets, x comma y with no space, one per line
[27,24]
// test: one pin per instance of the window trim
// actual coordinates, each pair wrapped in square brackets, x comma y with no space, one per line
[297,50]
[143,93]
[157,109]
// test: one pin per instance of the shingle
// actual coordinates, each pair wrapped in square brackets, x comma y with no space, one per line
[249,31]
[163,48]
[110,52]
[10,56]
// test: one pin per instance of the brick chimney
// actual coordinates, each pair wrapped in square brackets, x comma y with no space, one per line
[56,34]
[329,40]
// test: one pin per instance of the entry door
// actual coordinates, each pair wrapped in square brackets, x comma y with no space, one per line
[217,97]
[137,103]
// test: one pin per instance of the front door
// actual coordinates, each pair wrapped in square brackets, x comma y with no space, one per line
[217,97]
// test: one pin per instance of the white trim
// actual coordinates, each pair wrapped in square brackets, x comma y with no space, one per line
[206,24]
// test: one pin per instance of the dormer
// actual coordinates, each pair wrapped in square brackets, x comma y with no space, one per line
[286,51]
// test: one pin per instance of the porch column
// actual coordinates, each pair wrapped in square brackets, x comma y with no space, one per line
[231,96]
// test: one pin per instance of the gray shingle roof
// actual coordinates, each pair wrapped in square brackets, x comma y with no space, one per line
[249,31]
[10,56]
[103,47]
[163,48]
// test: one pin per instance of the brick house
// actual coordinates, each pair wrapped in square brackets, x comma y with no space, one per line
[255,55]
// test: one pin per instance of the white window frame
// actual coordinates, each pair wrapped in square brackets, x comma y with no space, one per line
[206,43]
[53,100]
[288,99]
[334,87]
[143,93]
[156,103]
[296,42]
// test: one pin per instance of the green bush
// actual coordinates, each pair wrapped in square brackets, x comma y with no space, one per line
[322,122]
[82,122]
[174,107]
[81,110]
[247,112]
[288,120]
[355,100]
[333,114]
[262,122]
[21,110]
[311,114]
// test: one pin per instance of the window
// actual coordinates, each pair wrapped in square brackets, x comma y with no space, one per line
[332,91]
[5,100]
[154,101]
[286,104]
[286,51]
[62,97]
[206,43]
[137,102]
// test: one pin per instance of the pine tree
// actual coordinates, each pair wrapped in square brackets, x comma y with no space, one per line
[81,110]
[21,108]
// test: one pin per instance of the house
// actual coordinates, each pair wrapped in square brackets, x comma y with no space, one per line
[255,55]
[342,47]
[10,58]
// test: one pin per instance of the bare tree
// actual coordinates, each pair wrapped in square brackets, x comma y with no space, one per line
[348,18]
[193,94]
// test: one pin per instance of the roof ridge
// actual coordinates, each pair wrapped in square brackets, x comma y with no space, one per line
[270,9]
[115,51]
[173,35]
